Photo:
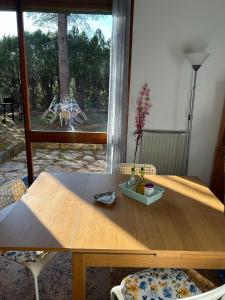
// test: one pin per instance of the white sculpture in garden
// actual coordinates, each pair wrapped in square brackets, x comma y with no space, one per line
[67,109]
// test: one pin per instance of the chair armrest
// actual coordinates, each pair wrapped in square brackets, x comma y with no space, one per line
[203,283]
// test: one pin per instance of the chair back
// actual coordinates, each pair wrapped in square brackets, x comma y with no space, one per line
[125,168]
[11,192]
[217,293]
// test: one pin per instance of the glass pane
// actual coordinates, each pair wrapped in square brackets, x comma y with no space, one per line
[12,146]
[68,157]
[68,65]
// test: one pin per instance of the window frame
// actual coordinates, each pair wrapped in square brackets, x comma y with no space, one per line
[32,136]
[82,6]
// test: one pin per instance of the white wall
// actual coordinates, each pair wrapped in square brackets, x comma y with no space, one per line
[162,30]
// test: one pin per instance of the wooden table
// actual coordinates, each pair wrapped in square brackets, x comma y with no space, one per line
[186,228]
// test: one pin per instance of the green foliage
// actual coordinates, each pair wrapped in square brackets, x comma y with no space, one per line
[89,68]
[9,66]
[42,67]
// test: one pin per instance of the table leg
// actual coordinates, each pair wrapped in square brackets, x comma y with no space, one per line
[78,276]
[4,112]
[12,111]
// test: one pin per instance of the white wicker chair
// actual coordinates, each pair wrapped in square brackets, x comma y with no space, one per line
[125,168]
[10,192]
[131,285]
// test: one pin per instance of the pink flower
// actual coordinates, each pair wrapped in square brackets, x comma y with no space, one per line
[142,110]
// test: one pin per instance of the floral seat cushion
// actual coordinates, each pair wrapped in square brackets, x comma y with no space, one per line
[25,256]
[158,284]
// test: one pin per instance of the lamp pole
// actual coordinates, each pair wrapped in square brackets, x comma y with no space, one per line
[196,60]
[190,118]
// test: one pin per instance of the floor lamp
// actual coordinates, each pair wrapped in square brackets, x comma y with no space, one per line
[196,60]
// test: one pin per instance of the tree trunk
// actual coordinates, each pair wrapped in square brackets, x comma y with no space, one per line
[63,57]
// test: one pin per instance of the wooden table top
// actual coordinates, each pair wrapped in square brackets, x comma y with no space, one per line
[58,213]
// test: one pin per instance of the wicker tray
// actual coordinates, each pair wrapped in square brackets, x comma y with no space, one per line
[158,192]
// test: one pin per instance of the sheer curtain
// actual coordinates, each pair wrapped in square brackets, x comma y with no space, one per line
[118,90]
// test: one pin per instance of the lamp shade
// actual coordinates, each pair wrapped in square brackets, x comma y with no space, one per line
[197,59]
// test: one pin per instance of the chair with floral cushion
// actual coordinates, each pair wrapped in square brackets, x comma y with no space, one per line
[163,284]
[10,192]
[125,168]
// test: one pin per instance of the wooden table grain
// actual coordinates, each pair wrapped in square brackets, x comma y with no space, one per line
[186,228]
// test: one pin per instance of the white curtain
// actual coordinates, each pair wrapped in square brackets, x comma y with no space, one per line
[118,89]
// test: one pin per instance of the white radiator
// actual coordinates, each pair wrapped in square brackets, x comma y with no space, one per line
[166,150]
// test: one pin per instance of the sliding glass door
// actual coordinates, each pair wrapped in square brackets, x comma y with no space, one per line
[67,57]
[68,63]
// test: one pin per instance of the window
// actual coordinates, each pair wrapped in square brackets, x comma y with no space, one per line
[68,58]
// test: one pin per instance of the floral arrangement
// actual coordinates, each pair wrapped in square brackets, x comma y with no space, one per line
[142,111]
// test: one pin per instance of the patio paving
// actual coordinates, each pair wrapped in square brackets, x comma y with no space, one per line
[55,160]
[51,157]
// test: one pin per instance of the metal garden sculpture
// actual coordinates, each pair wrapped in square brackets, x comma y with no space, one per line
[66,109]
